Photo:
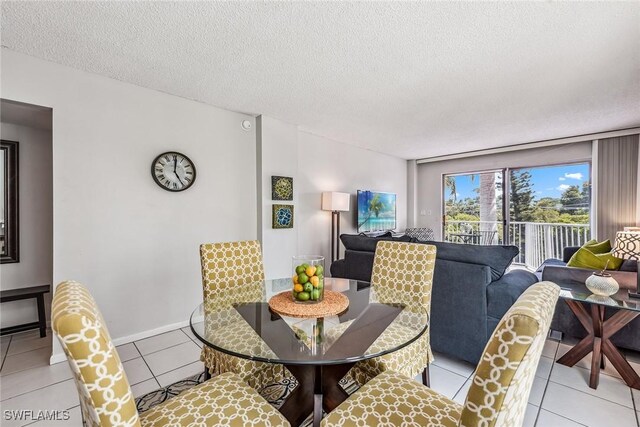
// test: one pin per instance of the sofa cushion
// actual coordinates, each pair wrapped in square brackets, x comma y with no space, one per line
[357,242]
[497,258]
[598,247]
[584,258]
[629,265]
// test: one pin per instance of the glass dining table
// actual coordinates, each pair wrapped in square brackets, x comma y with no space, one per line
[317,351]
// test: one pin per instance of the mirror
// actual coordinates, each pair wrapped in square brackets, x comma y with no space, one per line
[9,239]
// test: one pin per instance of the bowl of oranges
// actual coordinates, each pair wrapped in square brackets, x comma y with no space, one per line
[308,279]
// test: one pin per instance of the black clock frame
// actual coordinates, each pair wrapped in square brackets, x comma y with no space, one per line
[155,179]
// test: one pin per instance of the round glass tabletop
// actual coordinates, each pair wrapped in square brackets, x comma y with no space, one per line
[248,329]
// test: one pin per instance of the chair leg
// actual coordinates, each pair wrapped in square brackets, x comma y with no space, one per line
[207,374]
[425,376]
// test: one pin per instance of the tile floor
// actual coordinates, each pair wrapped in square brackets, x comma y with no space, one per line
[560,395]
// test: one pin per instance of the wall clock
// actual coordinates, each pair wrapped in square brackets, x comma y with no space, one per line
[173,171]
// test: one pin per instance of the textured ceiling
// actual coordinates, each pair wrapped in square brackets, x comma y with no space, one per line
[408,79]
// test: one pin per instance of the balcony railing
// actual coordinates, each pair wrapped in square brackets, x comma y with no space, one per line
[537,241]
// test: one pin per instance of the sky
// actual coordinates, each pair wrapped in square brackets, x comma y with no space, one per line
[549,181]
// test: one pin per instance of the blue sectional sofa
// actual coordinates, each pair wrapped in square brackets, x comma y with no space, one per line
[471,291]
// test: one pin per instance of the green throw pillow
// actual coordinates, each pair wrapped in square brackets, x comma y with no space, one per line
[584,258]
[598,248]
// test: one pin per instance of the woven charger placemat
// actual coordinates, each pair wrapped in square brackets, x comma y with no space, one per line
[332,304]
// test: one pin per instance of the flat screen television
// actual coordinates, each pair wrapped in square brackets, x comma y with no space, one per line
[376,211]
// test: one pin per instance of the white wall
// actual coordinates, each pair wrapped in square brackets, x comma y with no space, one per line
[429,185]
[35,221]
[327,165]
[133,244]
[317,164]
[278,155]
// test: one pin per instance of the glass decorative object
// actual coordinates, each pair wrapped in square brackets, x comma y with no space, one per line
[308,278]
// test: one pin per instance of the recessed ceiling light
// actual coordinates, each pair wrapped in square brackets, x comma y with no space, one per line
[246,125]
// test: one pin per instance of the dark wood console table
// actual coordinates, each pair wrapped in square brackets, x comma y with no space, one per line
[36,292]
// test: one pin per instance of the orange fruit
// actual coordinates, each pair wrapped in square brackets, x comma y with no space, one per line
[314,281]
[311,270]
[298,288]
[295,278]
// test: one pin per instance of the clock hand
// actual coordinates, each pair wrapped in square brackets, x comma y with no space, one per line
[175,163]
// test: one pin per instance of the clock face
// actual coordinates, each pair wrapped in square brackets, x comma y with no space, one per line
[173,171]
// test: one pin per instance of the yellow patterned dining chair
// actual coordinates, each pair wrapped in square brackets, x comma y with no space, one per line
[232,272]
[499,389]
[105,395]
[402,273]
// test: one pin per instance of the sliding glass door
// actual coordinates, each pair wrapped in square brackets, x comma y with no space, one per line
[539,209]
[549,209]
[473,208]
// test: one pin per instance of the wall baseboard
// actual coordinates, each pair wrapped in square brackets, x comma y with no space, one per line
[61,357]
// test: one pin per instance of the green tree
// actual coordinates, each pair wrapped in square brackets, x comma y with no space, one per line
[571,200]
[522,198]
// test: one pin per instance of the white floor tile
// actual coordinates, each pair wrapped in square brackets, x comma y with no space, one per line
[21,345]
[549,419]
[461,395]
[75,420]
[530,416]
[544,367]
[144,387]
[127,352]
[160,342]
[585,408]
[137,370]
[190,334]
[456,366]
[26,360]
[172,358]
[180,373]
[537,391]
[58,396]
[32,379]
[4,346]
[28,335]
[446,382]
[550,348]
[609,388]
[586,361]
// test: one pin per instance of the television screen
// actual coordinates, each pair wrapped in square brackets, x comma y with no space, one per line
[376,211]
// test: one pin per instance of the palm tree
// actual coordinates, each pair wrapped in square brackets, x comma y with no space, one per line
[375,206]
[488,209]
[450,183]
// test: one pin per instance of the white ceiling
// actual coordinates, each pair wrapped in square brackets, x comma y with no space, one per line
[409,79]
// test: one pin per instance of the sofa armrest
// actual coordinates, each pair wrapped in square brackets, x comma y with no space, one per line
[338,269]
[573,275]
[459,309]
[568,252]
[502,293]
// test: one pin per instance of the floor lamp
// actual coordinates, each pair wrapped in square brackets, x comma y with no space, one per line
[336,203]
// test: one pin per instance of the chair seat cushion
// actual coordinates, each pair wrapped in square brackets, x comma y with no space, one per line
[391,399]
[222,401]
[408,361]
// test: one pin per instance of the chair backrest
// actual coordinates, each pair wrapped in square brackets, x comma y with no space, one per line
[403,272]
[502,381]
[232,272]
[105,395]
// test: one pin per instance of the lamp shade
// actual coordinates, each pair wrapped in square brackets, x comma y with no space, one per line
[627,245]
[332,201]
